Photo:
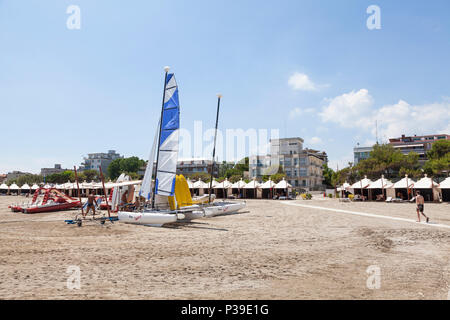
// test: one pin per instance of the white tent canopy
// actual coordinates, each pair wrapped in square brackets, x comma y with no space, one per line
[25,187]
[14,187]
[223,185]
[269,184]
[381,183]
[34,187]
[4,187]
[425,183]
[344,186]
[445,184]
[252,184]
[404,183]
[238,185]
[283,184]
[200,184]
[362,184]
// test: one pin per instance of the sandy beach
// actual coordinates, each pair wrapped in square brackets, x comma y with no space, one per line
[271,250]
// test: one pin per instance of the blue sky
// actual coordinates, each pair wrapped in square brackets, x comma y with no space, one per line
[308,68]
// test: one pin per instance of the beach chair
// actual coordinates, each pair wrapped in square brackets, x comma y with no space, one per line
[389,199]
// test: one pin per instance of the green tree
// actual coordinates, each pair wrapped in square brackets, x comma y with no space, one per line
[124,165]
[328,175]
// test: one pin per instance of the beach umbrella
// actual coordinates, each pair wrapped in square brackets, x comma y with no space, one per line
[381,183]
[238,185]
[223,185]
[428,188]
[3,186]
[283,184]
[252,185]
[425,183]
[405,183]
[269,184]
[443,185]
[25,187]
[34,187]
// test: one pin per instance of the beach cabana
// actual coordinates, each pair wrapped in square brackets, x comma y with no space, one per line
[445,189]
[267,189]
[344,189]
[47,186]
[403,188]
[25,188]
[14,188]
[4,189]
[236,188]
[377,189]
[34,187]
[199,187]
[251,190]
[360,187]
[222,189]
[428,188]
[283,185]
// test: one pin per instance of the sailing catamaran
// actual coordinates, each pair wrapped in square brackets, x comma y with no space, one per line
[170,196]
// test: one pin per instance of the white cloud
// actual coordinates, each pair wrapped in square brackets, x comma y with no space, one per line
[314,140]
[348,108]
[300,81]
[356,110]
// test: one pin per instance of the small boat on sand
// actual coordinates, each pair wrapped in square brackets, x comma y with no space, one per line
[47,200]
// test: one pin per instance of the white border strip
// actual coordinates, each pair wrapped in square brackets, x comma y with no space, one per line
[371,215]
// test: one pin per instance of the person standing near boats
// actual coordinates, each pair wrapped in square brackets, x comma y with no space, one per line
[90,204]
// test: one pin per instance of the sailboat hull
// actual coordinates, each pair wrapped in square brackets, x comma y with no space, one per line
[155,218]
[223,207]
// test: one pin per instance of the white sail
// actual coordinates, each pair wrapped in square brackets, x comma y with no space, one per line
[168,143]
[146,188]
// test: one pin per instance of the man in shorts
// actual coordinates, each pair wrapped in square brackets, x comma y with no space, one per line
[90,204]
[420,202]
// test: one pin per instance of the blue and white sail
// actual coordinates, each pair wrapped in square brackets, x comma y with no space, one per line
[146,187]
[168,141]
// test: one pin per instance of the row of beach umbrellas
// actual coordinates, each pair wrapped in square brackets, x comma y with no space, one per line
[254,184]
[405,183]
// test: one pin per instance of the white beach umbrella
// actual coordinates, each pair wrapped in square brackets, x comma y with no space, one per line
[238,185]
[445,184]
[34,187]
[25,187]
[3,186]
[14,187]
[252,184]
[200,184]
[425,183]
[47,186]
[381,183]
[361,184]
[283,184]
[269,184]
[405,183]
[225,184]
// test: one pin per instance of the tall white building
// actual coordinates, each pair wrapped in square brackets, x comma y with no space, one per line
[303,167]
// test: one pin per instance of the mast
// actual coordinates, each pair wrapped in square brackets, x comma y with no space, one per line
[219,96]
[166,69]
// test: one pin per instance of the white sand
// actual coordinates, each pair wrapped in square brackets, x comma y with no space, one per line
[270,251]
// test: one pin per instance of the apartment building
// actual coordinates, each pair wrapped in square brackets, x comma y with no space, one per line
[303,167]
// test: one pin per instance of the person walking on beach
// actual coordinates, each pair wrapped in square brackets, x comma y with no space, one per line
[90,204]
[420,202]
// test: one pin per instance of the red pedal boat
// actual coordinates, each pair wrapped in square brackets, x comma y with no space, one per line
[47,200]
